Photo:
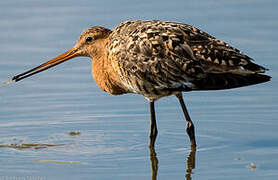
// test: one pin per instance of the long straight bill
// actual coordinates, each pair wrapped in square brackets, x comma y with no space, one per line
[53,62]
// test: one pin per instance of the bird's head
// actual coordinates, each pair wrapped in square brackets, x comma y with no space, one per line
[91,41]
[89,44]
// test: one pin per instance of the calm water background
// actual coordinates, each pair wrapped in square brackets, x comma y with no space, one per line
[234,127]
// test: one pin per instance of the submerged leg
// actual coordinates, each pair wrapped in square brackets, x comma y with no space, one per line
[153,130]
[189,124]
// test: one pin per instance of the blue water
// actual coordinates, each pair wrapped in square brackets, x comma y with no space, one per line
[234,127]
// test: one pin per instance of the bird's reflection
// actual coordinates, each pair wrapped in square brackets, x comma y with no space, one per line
[190,163]
[154,162]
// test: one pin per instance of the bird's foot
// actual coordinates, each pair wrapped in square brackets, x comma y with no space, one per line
[191,133]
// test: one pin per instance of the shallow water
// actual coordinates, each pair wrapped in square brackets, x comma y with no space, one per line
[234,127]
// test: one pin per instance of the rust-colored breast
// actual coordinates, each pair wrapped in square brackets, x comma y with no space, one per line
[105,75]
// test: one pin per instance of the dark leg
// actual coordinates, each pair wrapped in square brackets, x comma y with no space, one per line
[153,130]
[189,124]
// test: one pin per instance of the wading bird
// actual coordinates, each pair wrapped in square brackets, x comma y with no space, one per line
[157,59]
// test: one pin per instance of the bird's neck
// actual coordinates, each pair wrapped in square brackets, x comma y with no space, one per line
[104,74]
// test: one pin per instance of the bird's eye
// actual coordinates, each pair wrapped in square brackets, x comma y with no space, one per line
[89,39]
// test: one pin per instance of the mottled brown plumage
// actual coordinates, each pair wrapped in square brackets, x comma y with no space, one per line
[157,59]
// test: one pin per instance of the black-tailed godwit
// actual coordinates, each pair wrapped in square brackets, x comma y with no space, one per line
[157,59]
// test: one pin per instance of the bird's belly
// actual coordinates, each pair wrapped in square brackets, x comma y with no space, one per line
[155,91]
[153,97]
[152,93]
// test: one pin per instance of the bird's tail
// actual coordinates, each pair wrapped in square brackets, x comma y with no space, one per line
[218,81]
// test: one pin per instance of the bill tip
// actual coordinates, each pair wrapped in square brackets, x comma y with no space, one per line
[7,82]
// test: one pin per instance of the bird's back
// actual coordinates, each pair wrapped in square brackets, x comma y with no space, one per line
[156,58]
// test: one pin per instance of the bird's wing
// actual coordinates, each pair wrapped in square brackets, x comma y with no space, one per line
[168,55]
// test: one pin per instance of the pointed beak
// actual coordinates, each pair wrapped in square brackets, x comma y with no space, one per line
[51,63]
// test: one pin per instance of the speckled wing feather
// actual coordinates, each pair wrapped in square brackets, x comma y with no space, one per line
[158,57]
